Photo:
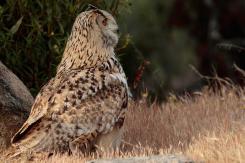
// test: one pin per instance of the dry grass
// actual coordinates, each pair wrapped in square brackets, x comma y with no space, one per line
[207,126]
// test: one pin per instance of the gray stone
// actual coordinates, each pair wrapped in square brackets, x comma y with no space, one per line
[15,105]
[147,159]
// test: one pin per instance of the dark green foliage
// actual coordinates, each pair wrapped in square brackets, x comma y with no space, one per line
[33,35]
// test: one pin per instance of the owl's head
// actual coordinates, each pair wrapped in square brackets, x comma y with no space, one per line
[97,25]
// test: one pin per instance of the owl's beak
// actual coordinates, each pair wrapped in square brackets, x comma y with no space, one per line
[118,31]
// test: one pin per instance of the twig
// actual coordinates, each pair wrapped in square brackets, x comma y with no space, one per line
[208,78]
[230,46]
[239,70]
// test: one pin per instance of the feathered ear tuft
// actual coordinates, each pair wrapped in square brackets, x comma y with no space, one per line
[91,7]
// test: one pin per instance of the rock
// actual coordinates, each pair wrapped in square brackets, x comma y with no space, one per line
[15,105]
[147,159]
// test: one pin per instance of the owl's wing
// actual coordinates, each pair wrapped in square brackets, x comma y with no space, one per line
[78,84]
[38,110]
[100,114]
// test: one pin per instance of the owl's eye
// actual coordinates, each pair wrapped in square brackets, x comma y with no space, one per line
[104,22]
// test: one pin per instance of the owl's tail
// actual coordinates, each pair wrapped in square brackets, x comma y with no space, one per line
[16,154]
[12,153]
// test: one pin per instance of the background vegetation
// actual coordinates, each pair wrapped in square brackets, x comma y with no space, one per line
[159,40]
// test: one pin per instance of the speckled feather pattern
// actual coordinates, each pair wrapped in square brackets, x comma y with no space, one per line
[88,96]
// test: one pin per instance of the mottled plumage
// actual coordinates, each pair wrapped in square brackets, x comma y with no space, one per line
[84,105]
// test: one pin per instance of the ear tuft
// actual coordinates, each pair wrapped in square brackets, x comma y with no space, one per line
[91,7]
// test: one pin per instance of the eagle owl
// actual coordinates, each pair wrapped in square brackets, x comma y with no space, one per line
[84,105]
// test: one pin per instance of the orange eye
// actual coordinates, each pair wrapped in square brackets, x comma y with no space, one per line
[104,22]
